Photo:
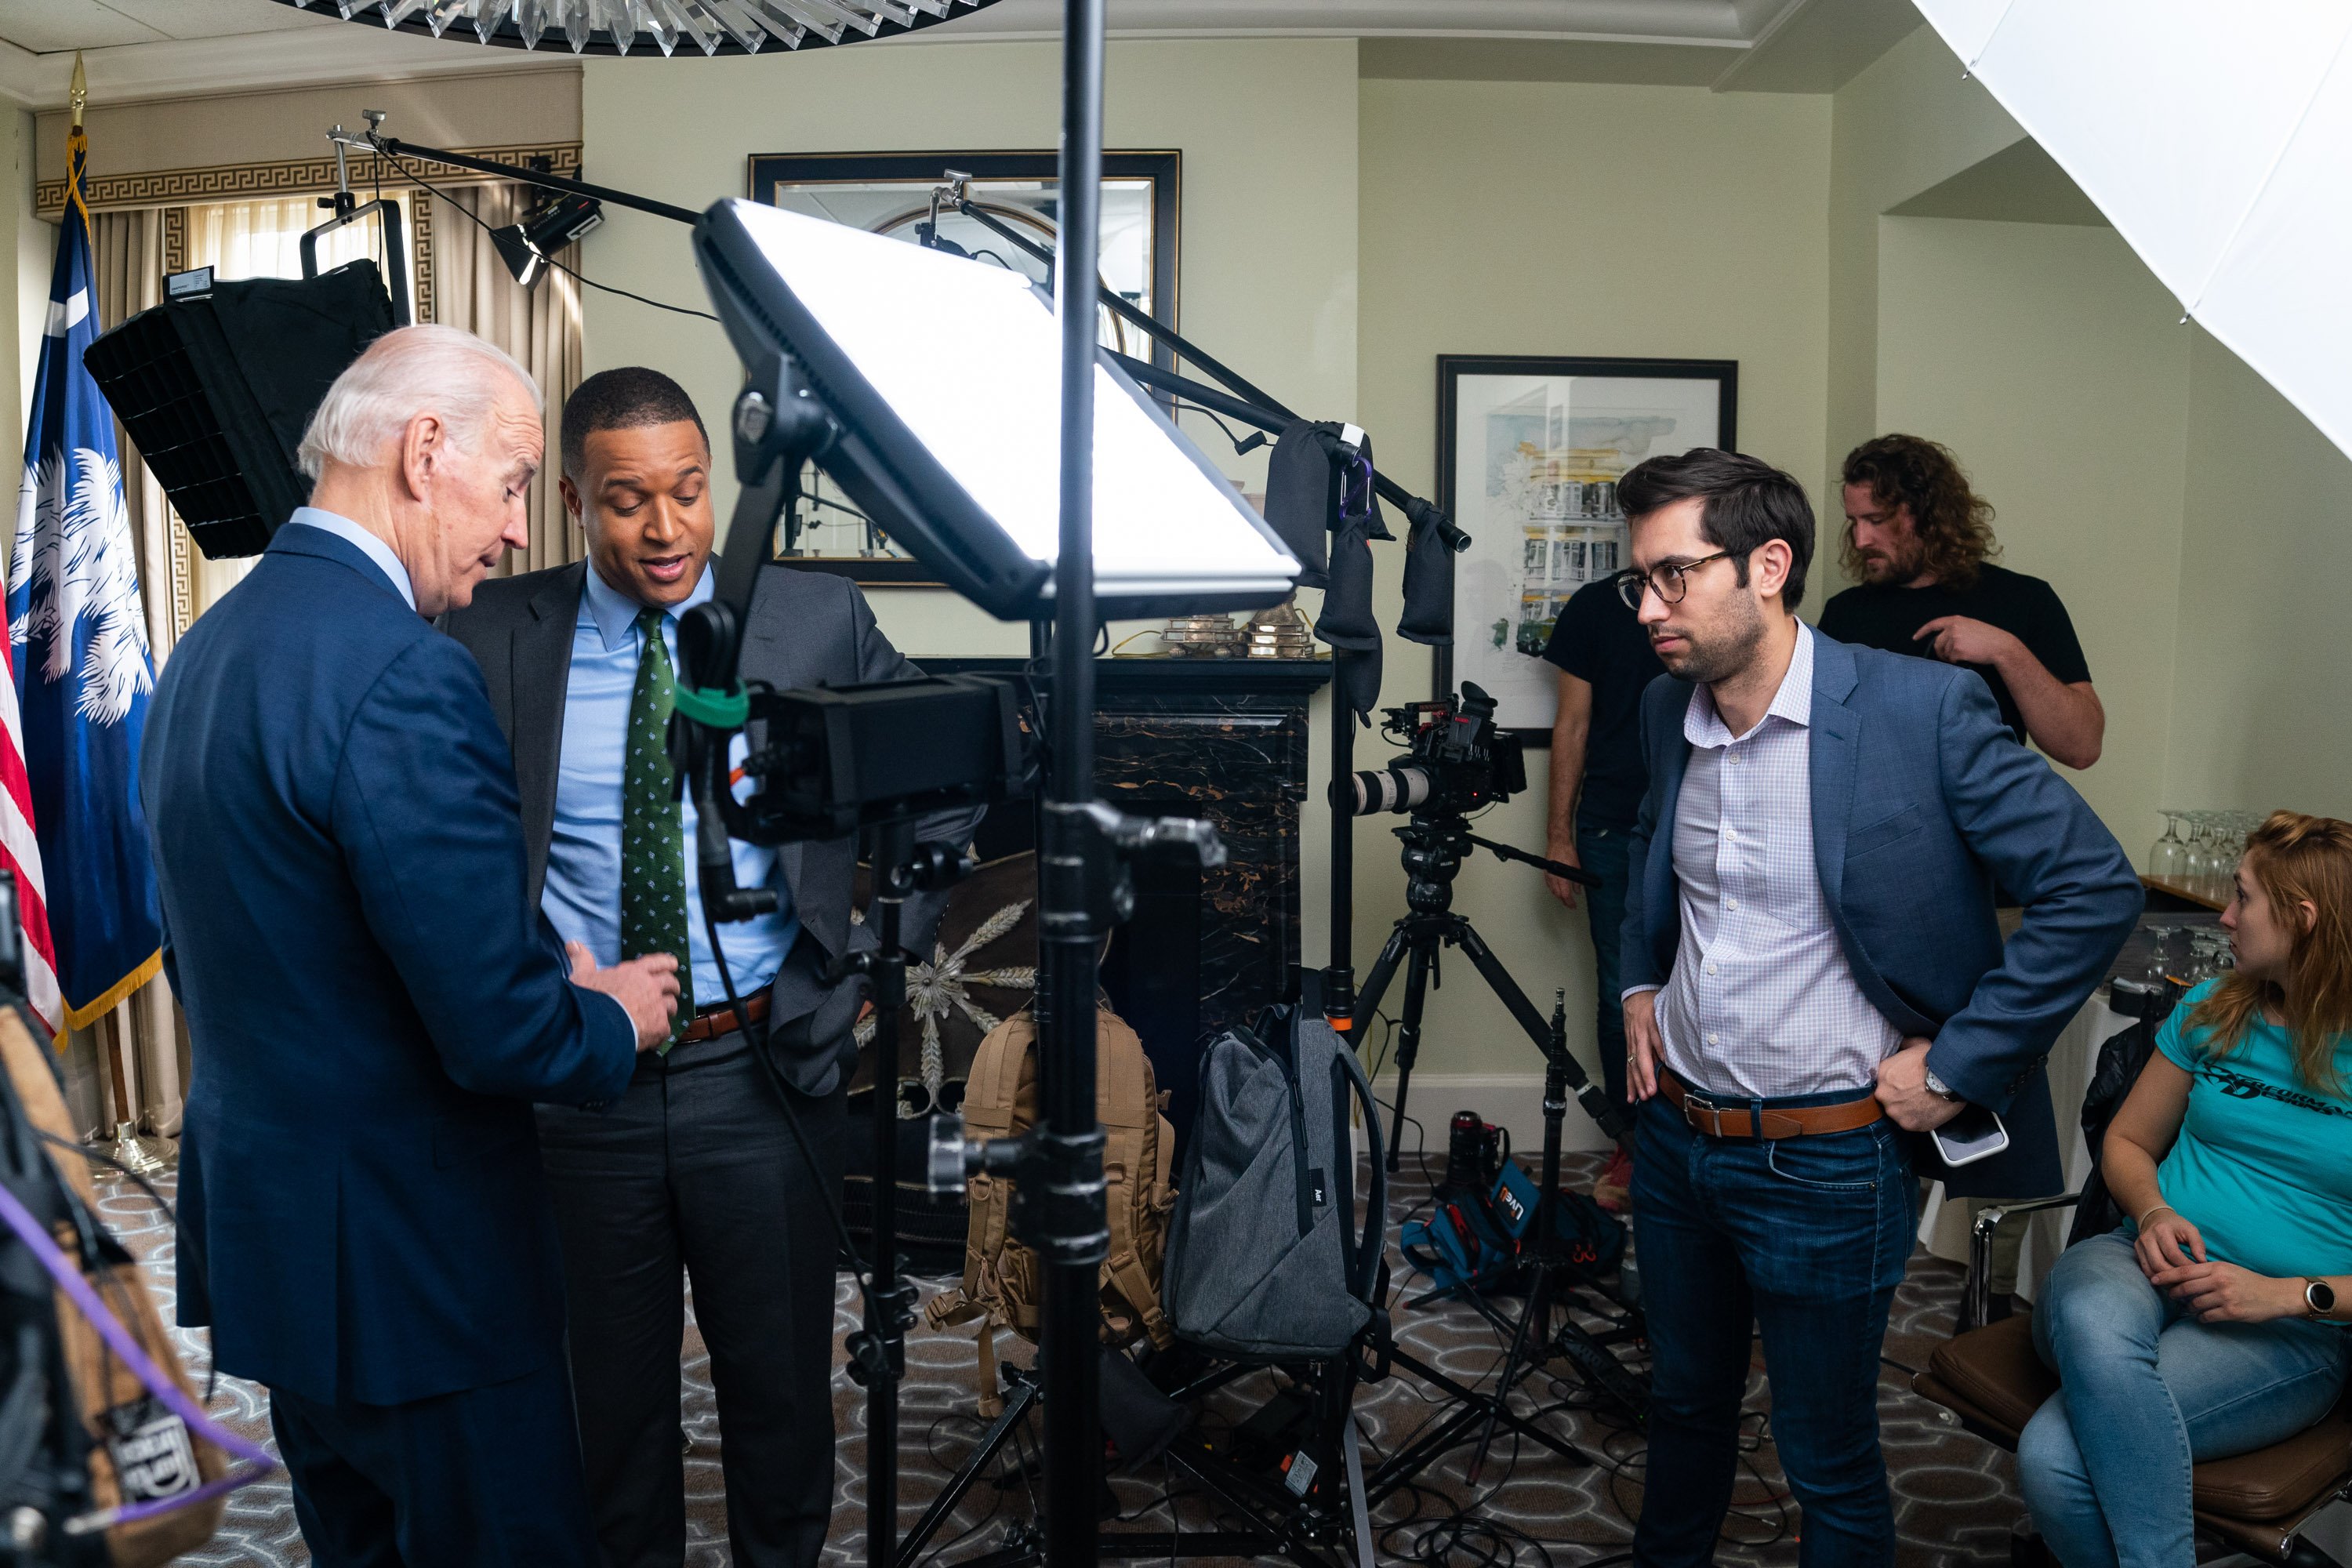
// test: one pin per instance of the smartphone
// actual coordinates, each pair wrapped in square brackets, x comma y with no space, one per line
[1976,1133]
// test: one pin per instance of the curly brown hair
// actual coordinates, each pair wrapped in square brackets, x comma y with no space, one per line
[1955,523]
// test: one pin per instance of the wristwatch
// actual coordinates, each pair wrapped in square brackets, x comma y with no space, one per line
[2319,1298]
[1938,1085]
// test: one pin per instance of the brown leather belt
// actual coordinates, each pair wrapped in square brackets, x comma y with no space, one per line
[709,1022]
[1739,1118]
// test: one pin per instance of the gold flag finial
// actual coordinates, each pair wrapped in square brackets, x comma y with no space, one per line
[79,93]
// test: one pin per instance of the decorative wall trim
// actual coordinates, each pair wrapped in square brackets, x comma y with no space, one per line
[420,253]
[299,176]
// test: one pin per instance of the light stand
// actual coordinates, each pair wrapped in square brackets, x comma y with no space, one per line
[1063,1216]
[877,1353]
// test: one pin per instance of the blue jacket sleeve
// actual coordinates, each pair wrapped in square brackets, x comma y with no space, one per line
[426,812]
[2041,842]
[1635,959]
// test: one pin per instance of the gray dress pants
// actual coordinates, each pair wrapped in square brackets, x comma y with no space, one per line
[695,1168]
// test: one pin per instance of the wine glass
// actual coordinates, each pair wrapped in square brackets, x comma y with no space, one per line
[2197,851]
[2168,856]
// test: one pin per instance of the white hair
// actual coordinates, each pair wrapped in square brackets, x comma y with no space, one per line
[407,372]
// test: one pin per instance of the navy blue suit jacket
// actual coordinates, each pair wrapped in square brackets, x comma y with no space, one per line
[373,1004]
[1922,798]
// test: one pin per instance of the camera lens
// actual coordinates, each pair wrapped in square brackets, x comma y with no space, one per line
[1391,789]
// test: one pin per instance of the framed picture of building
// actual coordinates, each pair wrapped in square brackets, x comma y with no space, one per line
[891,193]
[1529,450]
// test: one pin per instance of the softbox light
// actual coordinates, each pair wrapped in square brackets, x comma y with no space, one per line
[217,383]
[944,376]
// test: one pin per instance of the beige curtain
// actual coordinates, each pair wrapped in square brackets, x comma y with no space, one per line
[540,326]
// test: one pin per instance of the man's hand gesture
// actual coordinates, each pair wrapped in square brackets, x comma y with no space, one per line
[646,986]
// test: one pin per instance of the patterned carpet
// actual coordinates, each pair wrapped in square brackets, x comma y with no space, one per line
[1955,1496]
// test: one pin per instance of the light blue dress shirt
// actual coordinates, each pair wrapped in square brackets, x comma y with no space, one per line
[367,543]
[583,896]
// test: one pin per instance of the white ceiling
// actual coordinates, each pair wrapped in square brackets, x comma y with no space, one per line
[151,49]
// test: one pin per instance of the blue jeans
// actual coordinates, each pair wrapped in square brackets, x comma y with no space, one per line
[1607,852]
[1805,1239]
[2157,1389]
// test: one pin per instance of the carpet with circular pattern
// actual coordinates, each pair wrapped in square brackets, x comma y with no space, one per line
[1956,1498]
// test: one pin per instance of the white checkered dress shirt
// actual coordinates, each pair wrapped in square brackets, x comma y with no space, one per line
[1761,1003]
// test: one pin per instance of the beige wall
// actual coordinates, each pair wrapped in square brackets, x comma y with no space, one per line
[2054,364]
[1515,217]
[1904,125]
[2262,661]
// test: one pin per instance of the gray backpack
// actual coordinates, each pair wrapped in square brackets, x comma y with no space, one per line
[1264,1263]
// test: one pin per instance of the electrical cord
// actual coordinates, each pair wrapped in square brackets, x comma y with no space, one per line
[479,222]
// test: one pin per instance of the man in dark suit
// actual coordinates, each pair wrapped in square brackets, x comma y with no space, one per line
[1814,979]
[696,1165]
[372,1004]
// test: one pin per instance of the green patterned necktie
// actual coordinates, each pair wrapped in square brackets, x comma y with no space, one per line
[653,832]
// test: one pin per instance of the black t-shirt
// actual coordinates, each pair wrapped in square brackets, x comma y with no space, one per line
[1598,640]
[1877,616]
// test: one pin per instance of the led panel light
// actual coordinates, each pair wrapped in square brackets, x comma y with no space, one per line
[945,374]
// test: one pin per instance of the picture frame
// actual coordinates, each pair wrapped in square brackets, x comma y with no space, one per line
[1528,450]
[1142,202]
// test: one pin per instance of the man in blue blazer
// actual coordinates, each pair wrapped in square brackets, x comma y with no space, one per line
[373,1004]
[1815,980]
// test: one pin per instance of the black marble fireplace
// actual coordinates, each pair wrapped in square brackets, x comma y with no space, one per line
[1225,740]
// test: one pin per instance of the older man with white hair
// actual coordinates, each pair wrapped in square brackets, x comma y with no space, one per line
[372,1001]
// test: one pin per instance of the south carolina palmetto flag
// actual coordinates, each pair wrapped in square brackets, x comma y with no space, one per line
[77,643]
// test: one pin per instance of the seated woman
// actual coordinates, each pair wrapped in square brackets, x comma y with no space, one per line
[2212,1325]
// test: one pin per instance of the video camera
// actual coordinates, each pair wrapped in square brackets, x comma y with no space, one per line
[1456,761]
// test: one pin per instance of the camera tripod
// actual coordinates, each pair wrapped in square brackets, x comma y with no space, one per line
[1434,848]
[1433,852]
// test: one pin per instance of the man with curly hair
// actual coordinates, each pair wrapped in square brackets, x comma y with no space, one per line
[1918,541]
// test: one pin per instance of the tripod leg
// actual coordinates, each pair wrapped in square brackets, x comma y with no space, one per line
[943,1507]
[1534,1324]
[1416,992]
[1596,1104]
[1376,981]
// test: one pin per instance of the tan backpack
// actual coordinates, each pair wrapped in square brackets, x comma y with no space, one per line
[1000,1274]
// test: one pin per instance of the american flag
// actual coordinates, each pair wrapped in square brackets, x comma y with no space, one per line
[20,854]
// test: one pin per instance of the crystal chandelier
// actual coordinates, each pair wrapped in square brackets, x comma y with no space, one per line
[650,27]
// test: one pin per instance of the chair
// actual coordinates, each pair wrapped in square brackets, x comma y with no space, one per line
[1991,1379]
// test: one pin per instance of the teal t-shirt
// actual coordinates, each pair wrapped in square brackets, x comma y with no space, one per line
[2263,1164]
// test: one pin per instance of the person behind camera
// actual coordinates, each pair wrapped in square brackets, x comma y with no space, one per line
[372,1004]
[2213,1322]
[1812,970]
[696,1166]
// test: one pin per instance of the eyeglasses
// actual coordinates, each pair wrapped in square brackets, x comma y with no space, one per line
[1668,580]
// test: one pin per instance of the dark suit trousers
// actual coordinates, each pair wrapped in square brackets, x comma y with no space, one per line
[695,1168]
[484,1477]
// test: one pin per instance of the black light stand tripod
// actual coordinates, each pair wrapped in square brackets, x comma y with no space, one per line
[877,1353]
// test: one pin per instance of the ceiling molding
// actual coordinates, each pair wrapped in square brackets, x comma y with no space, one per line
[305,56]
[1802,45]
[1716,22]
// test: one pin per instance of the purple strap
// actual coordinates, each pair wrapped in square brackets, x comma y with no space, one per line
[69,1279]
